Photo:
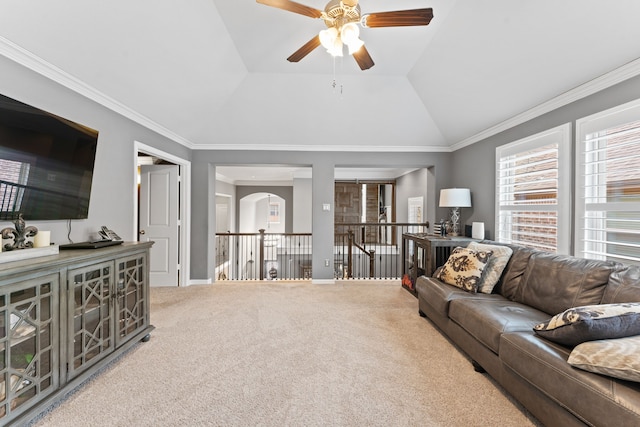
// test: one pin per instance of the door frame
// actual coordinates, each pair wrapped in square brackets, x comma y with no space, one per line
[184,231]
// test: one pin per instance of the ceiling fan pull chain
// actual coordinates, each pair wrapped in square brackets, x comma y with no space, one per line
[333,85]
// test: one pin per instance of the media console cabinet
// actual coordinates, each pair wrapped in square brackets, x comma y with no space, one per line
[65,316]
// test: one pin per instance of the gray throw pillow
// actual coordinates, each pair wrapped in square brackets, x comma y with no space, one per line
[592,322]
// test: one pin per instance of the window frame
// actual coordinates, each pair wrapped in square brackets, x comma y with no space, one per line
[594,123]
[562,136]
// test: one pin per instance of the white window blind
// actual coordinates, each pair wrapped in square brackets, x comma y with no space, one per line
[608,185]
[532,191]
[13,177]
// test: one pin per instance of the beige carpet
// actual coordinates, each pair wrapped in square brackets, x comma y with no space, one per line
[289,354]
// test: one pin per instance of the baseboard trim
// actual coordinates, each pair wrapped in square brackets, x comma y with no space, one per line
[200,282]
[323,281]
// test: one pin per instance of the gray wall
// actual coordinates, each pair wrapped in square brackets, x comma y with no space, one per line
[322,185]
[302,205]
[419,183]
[114,181]
[475,165]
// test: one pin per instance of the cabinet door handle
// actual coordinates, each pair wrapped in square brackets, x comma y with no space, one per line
[119,289]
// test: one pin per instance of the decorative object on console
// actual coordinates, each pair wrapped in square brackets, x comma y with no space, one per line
[19,235]
[477,230]
[455,198]
[42,239]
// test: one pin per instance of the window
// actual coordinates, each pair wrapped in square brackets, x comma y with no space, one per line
[274,212]
[13,178]
[533,191]
[608,185]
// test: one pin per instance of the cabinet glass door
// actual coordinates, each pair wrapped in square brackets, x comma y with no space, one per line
[91,325]
[28,344]
[132,300]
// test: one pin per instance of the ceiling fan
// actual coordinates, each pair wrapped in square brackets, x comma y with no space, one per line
[342,18]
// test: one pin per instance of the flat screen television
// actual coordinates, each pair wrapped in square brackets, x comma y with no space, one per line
[46,164]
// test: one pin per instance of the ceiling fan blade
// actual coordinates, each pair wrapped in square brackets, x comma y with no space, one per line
[398,18]
[294,7]
[363,58]
[305,50]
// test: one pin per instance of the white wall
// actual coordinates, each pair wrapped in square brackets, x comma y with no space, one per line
[254,211]
[247,216]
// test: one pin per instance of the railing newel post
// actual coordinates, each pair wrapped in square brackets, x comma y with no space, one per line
[261,237]
[372,263]
[350,255]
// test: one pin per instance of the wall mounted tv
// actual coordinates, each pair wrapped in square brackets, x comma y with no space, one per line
[46,164]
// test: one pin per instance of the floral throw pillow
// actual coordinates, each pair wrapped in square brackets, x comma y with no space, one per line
[464,268]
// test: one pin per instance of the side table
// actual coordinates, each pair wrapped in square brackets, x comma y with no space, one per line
[423,253]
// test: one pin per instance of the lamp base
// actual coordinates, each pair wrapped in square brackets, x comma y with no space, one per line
[455,222]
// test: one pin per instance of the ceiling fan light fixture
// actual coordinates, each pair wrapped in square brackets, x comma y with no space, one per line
[342,18]
[355,46]
[349,33]
[336,49]
[328,37]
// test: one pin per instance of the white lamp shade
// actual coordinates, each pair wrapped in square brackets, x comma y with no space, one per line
[355,46]
[328,37]
[349,33]
[455,198]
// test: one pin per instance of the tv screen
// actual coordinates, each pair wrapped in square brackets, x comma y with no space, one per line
[46,164]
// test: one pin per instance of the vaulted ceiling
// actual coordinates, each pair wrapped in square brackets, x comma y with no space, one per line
[213,73]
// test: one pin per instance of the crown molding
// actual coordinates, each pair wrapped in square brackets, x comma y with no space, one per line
[625,72]
[323,148]
[33,62]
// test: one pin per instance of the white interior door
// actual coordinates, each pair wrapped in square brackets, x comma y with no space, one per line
[159,221]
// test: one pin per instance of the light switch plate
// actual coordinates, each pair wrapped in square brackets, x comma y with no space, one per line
[326,207]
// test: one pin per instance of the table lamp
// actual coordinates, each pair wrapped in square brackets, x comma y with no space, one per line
[455,198]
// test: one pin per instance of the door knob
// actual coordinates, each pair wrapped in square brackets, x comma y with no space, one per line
[142,232]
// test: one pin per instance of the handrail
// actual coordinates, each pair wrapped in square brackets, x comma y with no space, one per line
[360,250]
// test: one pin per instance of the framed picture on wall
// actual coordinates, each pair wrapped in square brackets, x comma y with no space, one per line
[274,213]
[416,215]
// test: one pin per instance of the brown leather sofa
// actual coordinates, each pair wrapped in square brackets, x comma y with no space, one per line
[496,332]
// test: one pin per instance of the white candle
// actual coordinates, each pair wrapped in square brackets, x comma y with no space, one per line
[42,239]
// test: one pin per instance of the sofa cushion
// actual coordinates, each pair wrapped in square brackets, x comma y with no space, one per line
[597,399]
[498,261]
[617,358]
[487,320]
[554,283]
[464,268]
[438,294]
[624,286]
[514,271]
[592,322]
